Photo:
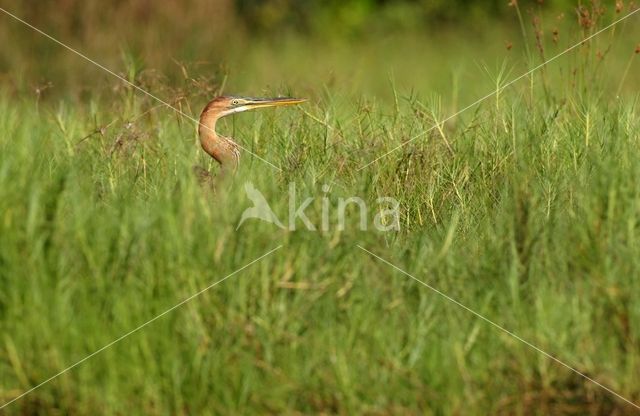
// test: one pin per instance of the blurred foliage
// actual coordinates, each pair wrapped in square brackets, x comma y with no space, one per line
[260,16]
[212,36]
[326,16]
[360,15]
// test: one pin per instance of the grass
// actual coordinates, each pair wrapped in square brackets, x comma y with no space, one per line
[530,216]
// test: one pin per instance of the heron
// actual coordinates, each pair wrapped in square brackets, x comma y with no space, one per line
[223,149]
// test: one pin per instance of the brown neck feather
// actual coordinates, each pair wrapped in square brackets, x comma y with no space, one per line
[222,149]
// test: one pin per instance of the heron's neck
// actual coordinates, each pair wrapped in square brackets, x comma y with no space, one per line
[222,149]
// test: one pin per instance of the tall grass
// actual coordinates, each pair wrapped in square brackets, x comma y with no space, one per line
[525,209]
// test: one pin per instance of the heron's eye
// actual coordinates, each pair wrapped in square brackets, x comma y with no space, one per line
[235,102]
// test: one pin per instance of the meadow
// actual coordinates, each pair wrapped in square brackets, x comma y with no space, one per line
[524,208]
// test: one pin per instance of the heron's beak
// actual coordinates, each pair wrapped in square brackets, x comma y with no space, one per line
[272,102]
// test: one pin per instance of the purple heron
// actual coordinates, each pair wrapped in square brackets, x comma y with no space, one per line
[223,149]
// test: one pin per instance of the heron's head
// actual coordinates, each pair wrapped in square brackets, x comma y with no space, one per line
[226,105]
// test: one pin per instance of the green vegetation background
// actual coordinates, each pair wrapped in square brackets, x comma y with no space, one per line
[525,208]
